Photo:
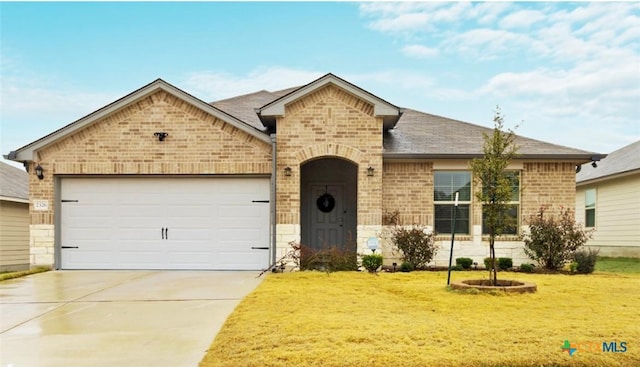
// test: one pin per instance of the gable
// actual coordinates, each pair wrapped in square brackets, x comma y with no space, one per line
[380,108]
[27,153]
[127,136]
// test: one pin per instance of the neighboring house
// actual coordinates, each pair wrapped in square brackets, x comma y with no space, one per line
[608,201]
[162,180]
[14,218]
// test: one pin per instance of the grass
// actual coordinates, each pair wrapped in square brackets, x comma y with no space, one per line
[618,264]
[23,273]
[412,319]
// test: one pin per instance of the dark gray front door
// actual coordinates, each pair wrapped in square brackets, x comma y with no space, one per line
[328,212]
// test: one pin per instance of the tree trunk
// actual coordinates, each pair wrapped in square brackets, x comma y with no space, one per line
[492,254]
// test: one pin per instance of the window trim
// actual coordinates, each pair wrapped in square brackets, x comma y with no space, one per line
[516,203]
[590,207]
[469,202]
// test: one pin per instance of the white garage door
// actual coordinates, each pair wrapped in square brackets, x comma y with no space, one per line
[165,223]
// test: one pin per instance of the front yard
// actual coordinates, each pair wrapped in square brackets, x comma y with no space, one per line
[411,319]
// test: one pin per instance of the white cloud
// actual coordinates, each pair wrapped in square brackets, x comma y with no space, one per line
[522,19]
[419,51]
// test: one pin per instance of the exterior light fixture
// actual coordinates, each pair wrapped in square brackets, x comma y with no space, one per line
[287,171]
[39,172]
[594,164]
[161,135]
[370,171]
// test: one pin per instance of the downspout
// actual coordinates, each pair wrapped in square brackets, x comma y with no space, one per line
[274,171]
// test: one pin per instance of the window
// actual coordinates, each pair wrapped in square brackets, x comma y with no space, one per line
[446,184]
[513,206]
[590,208]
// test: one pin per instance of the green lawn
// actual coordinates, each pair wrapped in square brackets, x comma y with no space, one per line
[412,319]
[618,264]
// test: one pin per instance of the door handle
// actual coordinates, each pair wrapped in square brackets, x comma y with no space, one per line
[162,232]
[166,233]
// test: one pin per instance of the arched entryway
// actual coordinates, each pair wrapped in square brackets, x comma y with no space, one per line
[328,203]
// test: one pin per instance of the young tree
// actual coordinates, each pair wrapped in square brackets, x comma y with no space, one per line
[496,182]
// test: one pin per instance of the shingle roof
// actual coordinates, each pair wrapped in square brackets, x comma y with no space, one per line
[416,133]
[243,107]
[623,160]
[419,133]
[14,182]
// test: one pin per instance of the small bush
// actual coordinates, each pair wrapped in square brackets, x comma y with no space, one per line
[487,262]
[406,267]
[372,262]
[552,242]
[585,261]
[417,246]
[464,262]
[505,263]
[457,268]
[330,259]
[526,268]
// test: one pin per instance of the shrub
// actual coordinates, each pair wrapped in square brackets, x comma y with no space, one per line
[464,262]
[372,262]
[329,259]
[526,268]
[457,268]
[417,247]
[552,242]
[487,262]
[585,261]
[406,267]
[505,263]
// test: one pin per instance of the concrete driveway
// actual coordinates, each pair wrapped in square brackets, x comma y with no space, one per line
[116,318]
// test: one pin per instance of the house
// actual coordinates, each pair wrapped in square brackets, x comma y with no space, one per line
[608,201]
[14,218]
[162,180]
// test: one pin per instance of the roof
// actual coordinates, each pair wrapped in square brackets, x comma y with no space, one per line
[14,183]
[243,107]
[422,135]
[389,112]
[623,161]
[409,134]
[26,153]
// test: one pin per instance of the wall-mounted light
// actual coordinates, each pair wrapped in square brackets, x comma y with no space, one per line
[594,164]
[161,135]
[370,171]
[287,171]
[39,172]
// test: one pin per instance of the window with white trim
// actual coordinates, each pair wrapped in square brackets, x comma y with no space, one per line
[445,186]
[590,208]
[513,209]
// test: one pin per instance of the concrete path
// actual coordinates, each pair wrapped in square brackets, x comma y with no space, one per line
[116,318]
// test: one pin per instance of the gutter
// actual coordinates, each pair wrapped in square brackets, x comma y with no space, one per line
[585,158]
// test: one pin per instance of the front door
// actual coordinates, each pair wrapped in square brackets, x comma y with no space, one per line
[328,215]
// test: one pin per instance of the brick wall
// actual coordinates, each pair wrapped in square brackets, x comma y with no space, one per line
[123,144]
[330,123]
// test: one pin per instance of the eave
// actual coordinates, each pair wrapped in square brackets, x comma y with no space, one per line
[28,152]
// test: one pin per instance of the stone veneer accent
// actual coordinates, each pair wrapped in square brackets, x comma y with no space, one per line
[329,123]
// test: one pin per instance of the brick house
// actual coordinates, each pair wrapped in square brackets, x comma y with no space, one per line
[162,180]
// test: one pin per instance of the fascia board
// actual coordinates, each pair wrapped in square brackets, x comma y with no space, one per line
[28,152]
[381,108]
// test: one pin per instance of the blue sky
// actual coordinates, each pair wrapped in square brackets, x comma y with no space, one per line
[567,73]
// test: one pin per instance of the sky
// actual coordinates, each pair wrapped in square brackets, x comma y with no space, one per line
[563,72]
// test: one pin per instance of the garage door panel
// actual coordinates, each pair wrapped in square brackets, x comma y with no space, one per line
[118,223]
